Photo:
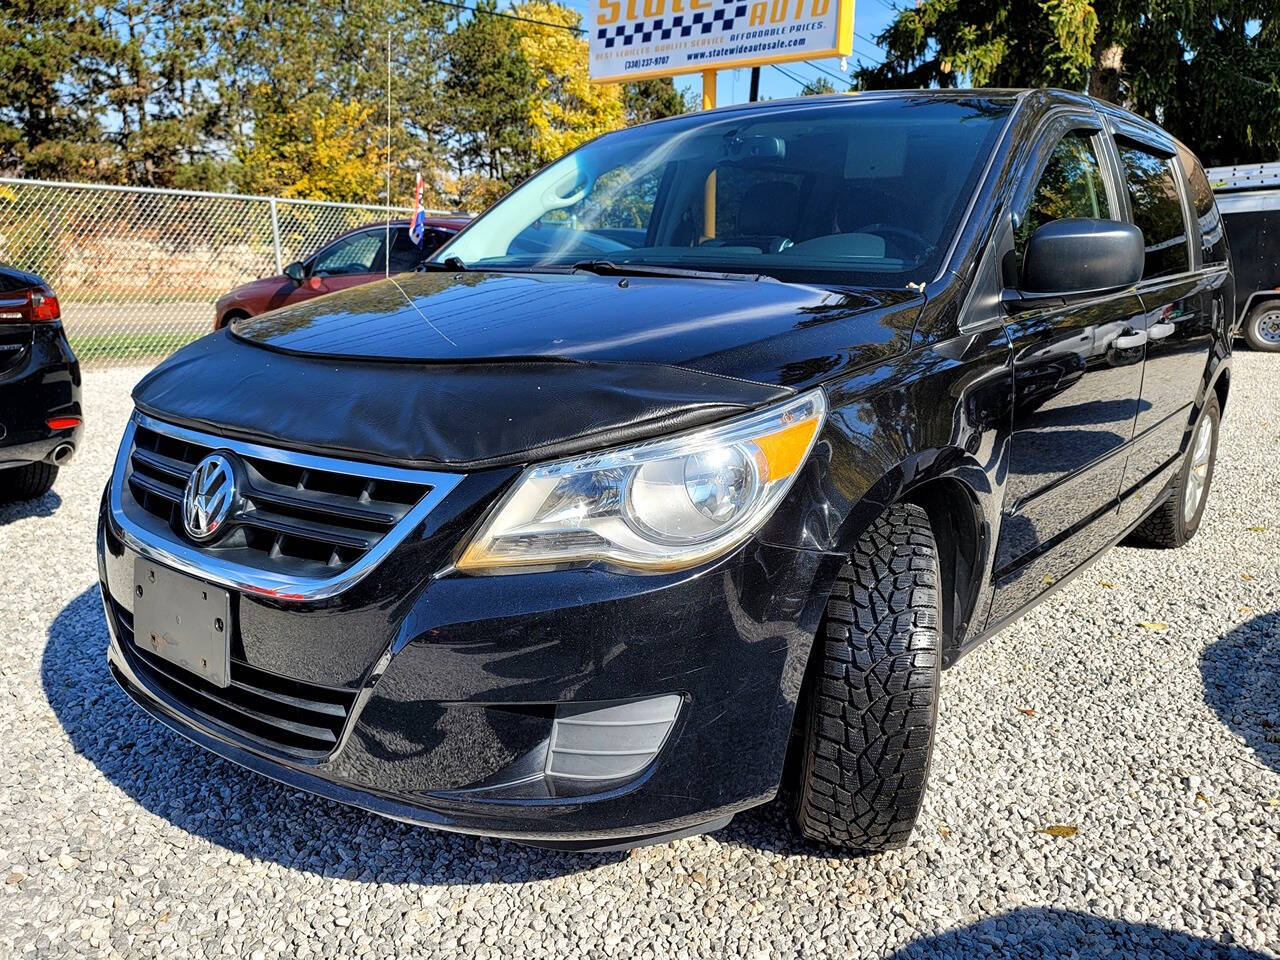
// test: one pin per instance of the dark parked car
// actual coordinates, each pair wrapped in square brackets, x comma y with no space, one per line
[354,258]
[40,416]
[1249,197]
[677,478]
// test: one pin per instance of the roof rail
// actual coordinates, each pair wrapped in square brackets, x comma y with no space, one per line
[1244,176]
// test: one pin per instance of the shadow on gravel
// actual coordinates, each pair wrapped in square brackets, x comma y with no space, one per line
[1039,932]
[243,811]
[39,507]
[768,828]
[1241,672]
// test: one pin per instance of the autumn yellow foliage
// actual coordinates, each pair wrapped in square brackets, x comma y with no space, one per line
[327,151]
[568,109]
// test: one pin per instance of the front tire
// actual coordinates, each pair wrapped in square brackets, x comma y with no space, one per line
[1262,327]
[870,703]
[27,482]
[1176,520]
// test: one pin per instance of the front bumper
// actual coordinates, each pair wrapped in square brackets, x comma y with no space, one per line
[456,685]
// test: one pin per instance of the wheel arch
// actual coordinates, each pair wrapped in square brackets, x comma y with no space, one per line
[235,313]
[952,498]
[958,526]
[1222,386]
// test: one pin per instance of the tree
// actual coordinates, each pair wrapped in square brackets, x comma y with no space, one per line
[281,57]
[332,151]
[488,84]
[156,74]
[817,87]
[987,43]
[48,125]
[1207,70]
[567,109]
[647,100]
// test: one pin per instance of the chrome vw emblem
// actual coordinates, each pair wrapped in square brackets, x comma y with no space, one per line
[209,496]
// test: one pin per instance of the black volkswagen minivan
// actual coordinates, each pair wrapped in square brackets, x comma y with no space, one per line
[674,480]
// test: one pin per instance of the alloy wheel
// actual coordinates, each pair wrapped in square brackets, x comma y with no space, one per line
[1198,476]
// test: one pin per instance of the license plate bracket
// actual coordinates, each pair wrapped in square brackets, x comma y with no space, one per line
[182,620]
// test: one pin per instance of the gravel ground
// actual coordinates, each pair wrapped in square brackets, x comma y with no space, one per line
[1138,712]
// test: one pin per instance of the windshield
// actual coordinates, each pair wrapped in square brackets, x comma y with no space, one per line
[859,191]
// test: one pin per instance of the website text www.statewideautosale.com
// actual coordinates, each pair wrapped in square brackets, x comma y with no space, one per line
[744,43]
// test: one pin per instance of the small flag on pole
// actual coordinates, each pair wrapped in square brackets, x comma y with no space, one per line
[419,225]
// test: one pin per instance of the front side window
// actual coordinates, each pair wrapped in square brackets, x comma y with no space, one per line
[1157,210]
[864,191]
[354,254]
[1072,186]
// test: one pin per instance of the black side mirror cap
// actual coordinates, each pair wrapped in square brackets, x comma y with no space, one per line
[296,272]
[1066,257]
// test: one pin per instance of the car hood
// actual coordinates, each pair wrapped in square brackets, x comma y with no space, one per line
[254,288]
[460,371]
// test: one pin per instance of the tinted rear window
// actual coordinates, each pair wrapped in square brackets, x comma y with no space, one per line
[1157,210]
[1213,238]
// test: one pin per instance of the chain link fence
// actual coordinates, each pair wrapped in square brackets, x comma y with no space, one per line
[137,270]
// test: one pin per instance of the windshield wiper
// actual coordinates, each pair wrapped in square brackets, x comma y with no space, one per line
[607,268]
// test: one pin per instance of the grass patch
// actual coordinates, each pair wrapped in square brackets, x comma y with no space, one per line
[98,347]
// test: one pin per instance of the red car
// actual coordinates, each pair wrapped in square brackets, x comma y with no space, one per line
[356,257]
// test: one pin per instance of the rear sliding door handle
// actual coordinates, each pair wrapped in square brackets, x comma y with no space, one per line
[1127,341]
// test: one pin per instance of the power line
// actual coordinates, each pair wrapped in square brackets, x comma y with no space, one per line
[868,40]
[791,76]
[833,76]
[508,16]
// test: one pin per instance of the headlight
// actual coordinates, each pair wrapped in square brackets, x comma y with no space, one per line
[656,506]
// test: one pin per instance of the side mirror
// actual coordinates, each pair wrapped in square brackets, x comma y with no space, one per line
[1082,256]
[296,272]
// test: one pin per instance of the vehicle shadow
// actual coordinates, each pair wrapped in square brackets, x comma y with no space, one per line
[42,506]
[768,828]
[247,813]
[1034,932]
[1241,673]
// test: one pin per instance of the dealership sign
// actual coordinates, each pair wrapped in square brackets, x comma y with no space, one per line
[634,39]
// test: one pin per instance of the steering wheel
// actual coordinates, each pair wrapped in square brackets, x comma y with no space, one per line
[911,238]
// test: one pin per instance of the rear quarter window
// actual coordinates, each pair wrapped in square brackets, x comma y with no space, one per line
[1157,210]
[1213,236]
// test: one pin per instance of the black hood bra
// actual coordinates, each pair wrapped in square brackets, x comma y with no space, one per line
[477,370]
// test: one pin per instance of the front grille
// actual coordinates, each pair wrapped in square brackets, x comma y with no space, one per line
[305,526]
[304,720]
[292,513]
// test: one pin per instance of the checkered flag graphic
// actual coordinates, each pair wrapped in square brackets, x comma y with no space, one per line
[721,19]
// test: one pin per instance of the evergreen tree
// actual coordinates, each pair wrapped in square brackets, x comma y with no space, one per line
[1208,70]
[49,126]
[647,100]
[488,85]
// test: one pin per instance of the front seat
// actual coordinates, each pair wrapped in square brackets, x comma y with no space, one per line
[767,218]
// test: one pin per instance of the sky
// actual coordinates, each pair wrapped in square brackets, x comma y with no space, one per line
[785,80]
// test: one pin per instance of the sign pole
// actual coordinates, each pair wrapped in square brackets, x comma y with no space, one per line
[709,187]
